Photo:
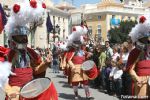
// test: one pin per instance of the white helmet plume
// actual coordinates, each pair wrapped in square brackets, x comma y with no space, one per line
[5,71]
[142,29]
[23,13]
[77,34]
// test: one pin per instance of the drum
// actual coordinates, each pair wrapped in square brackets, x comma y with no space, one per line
[90,69]
[39,89]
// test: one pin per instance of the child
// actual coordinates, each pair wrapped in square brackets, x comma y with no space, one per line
[111,79]
[115,76]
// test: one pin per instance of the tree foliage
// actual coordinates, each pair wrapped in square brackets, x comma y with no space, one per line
[120,34]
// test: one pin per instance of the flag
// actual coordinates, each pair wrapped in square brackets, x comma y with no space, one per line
[3,19]
[49,24]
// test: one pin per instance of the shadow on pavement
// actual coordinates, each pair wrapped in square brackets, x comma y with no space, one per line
[65,84]
[69,96]
[66,96]
[60,76]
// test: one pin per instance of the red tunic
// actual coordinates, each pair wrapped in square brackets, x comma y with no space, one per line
[69,54]
[134,54]
[23,75]
[78,59]
[142,67]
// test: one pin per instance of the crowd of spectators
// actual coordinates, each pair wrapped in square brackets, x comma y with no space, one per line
[110,60]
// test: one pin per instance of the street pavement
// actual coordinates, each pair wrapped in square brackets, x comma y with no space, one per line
[65,91]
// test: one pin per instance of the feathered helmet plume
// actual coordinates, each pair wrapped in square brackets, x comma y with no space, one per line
[77,35]
[142,29]
[23,13]
[61,45]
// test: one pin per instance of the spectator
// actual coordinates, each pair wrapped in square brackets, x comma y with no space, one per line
[96,55]
[55,60]
[115,77]
[126,78]
[102,66]
[115,55]
[109,53]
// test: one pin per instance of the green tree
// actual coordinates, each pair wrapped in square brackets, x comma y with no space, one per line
[120,34]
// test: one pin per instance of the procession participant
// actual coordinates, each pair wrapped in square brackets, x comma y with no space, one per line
[75,57]
[63,64]
[26,63]
[67,56]
[139,58]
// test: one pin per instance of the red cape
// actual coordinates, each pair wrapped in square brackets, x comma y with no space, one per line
[69,54]
[132,58]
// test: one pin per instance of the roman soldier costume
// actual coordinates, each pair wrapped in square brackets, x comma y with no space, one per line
[26,63]
[139,58]
[75,56]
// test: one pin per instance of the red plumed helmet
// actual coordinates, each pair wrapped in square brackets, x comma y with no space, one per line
[33,4]
[16,8]
[142,19]
[44,5]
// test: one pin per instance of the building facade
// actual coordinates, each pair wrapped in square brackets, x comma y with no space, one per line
[103,16]
[39,36]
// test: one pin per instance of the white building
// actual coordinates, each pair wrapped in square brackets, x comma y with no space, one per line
[39,36]
[99,16]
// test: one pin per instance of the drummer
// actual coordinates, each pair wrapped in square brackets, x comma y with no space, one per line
[75,58]
[26,63]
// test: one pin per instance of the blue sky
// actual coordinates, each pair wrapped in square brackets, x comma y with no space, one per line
[77,3]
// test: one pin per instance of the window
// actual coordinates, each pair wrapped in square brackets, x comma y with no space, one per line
[99,17]
[90,29]
[99,31]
